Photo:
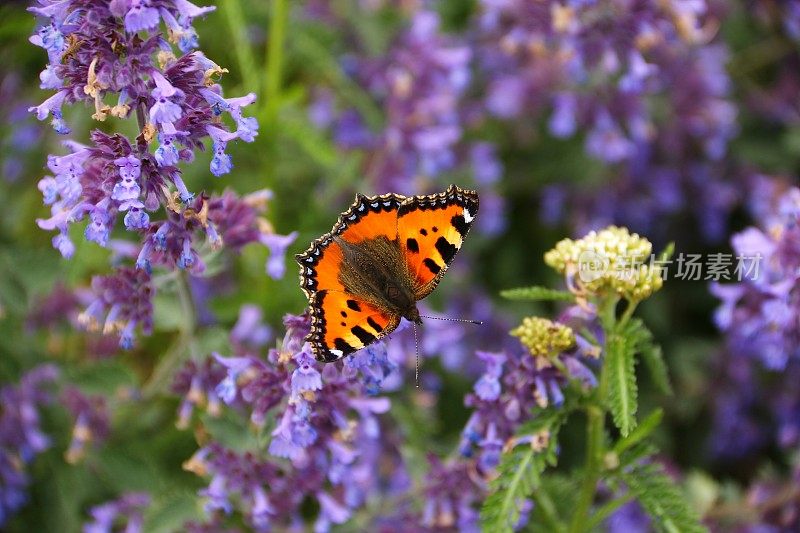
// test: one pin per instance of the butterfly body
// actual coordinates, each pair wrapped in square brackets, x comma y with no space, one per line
[382,256]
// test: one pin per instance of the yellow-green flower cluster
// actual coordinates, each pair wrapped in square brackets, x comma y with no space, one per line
[611,260]
[543,337]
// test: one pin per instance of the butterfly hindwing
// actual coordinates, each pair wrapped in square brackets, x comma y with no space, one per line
[431,230]
[367,218]
[342,323]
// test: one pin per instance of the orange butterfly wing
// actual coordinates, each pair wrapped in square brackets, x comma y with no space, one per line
[342,323]
[431,230]
[369,217]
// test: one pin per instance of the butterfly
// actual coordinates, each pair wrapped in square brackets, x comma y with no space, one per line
[382,256]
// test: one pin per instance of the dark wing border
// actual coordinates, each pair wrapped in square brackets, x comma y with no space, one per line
[466,198]
[362,205]
[316,337]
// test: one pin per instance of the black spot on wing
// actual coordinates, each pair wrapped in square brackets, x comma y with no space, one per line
[434,229]
[363,335]
[423,232]
[412,245]
[352,304]
[446,249]
[344,314]
[432,266]
[374,325]
[341,344]
[460,224]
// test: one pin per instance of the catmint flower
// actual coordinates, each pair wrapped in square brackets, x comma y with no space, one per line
[305,378]
[119,177]
[488,386]
[128,510]
[91,422]
[21,435]
[277,244]
[141,16]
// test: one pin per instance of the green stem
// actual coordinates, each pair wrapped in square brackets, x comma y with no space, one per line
[607,510]
[626,315]
[275,47]
[165,370]
[595,435]
[237,28]
[548,510]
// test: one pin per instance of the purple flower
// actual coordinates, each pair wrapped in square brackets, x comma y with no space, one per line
[305,378]
[52,107]
[141,16]
[21,437]
[277,244]
[128,510]
[164,109]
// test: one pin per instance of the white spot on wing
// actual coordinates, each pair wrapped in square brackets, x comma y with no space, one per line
[337,353]
[468,216]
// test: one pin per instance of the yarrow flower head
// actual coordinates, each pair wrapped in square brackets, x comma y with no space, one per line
[611,260]
[544,338]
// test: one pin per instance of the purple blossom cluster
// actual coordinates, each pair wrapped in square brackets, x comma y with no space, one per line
[92,423]
[21,435]
[421,85]
[22,135]
[515,383]
[775,99]
[639,80]
[123,514]
[327,442]
[98,51]
[758,317]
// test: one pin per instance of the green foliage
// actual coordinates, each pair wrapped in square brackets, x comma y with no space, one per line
[622,389]
[662,499]
[519,472]
[537,293]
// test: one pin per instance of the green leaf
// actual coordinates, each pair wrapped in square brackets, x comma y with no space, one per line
[662,500]
[651,355]
[536,293]
[667,252]
[622,391]
[518,474]
[641,432]
[653,359]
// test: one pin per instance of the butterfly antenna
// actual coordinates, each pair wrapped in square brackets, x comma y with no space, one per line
[468,321]
[416,348]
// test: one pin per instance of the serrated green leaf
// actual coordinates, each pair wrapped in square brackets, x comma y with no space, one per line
[662,500]
[622,390]
[519,473]
[641,432]
[651,355]
[537,293]
[653,359]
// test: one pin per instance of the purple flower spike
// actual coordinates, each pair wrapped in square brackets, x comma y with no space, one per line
[52,106]
[165,110]
[141,16]
[277,244]
[130,168]
[306,378]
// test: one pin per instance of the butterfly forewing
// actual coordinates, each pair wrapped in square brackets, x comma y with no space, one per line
[430,231]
